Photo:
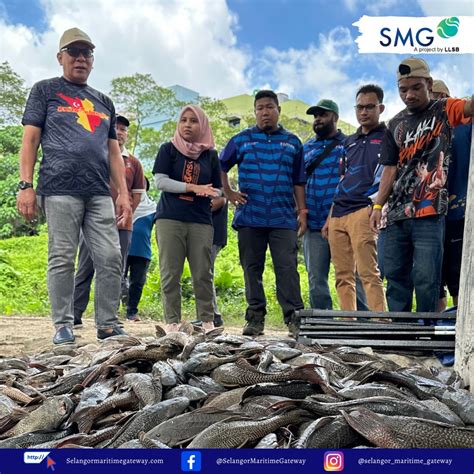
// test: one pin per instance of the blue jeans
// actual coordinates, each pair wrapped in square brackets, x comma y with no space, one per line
[317,256]
[413,256]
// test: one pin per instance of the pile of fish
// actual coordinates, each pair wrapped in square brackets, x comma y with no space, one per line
[217,390]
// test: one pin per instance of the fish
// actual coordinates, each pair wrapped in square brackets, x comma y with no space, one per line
[26,440]
[177,430]
[383,405]
[148,390]
[150,443]
[194,394]
[407,432]
[236,432]
[270,441]
[283,352]
[147,418]
[241,373]
[327,432]
[226,399]
[86,417]
[48,416]
[205,383]
[374,390]
[294,389]
[204,363]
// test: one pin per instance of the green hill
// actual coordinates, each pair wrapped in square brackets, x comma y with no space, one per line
[242,105]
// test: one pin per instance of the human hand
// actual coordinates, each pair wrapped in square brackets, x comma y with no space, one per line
[26,203]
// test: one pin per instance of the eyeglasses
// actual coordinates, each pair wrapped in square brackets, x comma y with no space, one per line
[368,107]
[76,52]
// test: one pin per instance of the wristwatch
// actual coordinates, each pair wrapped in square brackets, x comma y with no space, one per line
[24,185]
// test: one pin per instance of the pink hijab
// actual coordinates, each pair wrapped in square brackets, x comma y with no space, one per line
[205,140]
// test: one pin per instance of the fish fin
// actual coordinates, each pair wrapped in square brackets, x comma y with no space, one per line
[243,444]
[285,404]
[372,427]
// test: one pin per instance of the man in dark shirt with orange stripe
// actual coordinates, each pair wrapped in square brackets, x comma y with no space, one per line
[415,155]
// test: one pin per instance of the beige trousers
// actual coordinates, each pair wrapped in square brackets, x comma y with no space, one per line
[353,245]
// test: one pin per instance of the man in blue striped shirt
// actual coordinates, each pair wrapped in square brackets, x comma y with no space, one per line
[271,178]
[325,151]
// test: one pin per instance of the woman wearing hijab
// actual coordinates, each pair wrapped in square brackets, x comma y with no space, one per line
[187,172]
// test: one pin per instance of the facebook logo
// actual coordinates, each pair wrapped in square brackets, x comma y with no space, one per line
[190,461]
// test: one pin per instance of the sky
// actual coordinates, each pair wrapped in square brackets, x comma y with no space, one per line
[304,48]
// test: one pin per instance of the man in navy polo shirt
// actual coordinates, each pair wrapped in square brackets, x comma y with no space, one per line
[352,242]
[271,179]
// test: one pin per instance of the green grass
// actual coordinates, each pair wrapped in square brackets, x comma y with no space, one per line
[23,287]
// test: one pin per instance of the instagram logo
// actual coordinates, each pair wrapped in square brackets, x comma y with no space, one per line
[333,461]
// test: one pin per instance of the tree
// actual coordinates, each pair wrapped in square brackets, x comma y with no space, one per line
[12,95]
[11,223]
[217,114]
[140,97]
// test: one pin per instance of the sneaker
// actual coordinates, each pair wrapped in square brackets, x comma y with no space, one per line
[116,331]
[253,328]
[133,317]
[64,335]
[218,321]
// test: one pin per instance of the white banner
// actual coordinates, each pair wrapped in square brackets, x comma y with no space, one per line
[416,35]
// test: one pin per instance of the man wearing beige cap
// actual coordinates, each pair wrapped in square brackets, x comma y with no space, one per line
[416,153]
[457,191]
[75,126]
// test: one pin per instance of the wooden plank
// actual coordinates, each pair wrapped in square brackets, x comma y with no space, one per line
[464,355]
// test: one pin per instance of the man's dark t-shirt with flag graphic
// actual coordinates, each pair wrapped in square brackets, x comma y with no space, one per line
[76,123]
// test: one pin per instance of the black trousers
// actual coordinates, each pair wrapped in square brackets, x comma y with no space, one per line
[136,271]
[283,243]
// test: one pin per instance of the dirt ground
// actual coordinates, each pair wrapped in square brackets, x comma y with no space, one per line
[30,335]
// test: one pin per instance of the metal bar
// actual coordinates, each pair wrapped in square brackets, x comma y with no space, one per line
[330,323]
[372,314]
[379,333]
[375,327]
[420,345]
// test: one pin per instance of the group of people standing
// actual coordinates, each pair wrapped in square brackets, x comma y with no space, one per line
[338,192]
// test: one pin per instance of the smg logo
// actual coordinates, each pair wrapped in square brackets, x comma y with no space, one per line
[424,37]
